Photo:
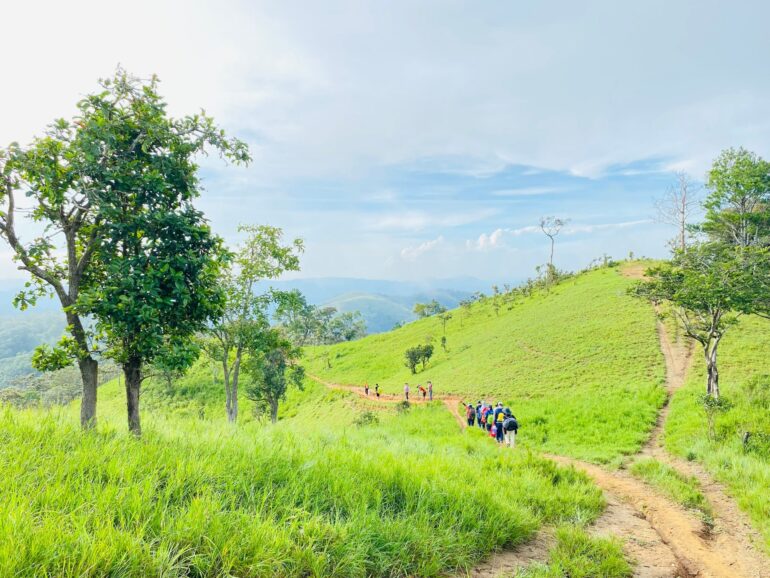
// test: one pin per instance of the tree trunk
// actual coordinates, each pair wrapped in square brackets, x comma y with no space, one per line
[274,411]
[712,383]
[228,393]
[89,373]
[234,386]
[132,371]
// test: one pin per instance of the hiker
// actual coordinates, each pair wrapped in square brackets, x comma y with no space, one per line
[430,390]
[510,427]
[422,391]
[499,418]
[377,389]
[366,388]
[490,417]
[470,413]
[406,391]
[478,413]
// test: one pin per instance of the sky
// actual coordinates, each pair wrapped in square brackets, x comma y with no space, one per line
[422,139]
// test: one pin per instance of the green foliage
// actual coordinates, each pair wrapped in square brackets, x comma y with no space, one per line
[582,361]
[738,206]
[428,309]
[713,406]
[411,496]
[684,490]
[578,555]
[271,364]
[419,354]
[306,323]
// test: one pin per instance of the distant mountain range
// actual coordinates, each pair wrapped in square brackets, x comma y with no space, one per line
[382,304]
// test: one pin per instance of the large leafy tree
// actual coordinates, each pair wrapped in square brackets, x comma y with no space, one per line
[263,255]
[154,281]
[707,288]
[272,365]
[53,183]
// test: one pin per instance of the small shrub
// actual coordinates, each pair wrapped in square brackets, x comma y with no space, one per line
[367,418]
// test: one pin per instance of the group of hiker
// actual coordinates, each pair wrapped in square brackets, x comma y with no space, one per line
[425,392]
[499,421]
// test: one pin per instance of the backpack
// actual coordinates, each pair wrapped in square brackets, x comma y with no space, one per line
[490,417]
[510,424]
[493,431]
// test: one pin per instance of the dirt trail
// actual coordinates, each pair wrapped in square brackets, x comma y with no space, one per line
[451,402]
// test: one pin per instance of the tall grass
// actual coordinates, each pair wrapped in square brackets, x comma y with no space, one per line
[408,496]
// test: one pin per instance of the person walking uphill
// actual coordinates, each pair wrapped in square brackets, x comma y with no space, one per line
[499,419]
[422,391]
[510,427]
[406,391]
[470,414]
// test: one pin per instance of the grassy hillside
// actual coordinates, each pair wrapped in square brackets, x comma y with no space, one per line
[315,495]
[580,366]
[745,381]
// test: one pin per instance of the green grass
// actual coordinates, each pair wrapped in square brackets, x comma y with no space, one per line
[683,490]
[745,471]
[578,555]
[580,366]
[313,496]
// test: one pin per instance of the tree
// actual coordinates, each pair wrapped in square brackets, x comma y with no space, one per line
[347,326]
[155,279]
[444,318]
[412,357]
[677,206]
[419,354]
[296,316]
[708,288]
[60,174]
[551,227]
[428,309]
[426,354]
[271,364]
[261,256]
[738,204]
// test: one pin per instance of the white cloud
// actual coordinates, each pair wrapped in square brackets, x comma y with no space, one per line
[486,242]
[413,253]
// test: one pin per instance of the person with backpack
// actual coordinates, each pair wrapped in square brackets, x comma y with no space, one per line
[490,418]
[510,428]
[406,391]
[499,418]
[422,391]
[470,414]
[478,413]
[377,389]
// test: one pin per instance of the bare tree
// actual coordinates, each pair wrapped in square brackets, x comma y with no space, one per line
[677,205]
[552,226]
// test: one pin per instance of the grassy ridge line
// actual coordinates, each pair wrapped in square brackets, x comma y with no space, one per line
[407,496]
[580,366]
[743,357]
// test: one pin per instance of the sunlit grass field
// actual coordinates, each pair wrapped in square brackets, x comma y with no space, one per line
[744,357]
[315,495]
[580,365]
